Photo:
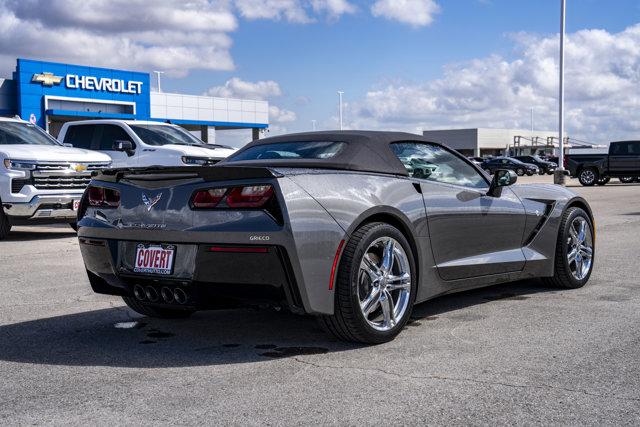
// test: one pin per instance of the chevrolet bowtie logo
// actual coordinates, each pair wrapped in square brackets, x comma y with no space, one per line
[47,79]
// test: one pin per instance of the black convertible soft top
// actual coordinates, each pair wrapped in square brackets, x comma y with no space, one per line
[366,151]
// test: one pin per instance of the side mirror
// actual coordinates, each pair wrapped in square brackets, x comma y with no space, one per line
[501,178]
[124,146]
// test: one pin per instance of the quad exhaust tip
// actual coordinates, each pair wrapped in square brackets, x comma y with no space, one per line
[138,292]
[168,295]
[151,293]
[180,296]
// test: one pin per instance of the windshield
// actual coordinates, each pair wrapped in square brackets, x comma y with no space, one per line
[290,151]
[18,133]
[162,135]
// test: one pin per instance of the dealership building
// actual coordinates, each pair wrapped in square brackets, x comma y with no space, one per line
[481,142]
[50,94]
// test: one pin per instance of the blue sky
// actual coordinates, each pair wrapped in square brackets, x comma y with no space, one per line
[359,51]
[403,64]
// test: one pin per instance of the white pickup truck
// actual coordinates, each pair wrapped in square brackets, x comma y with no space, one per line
[132,143]
[41,181]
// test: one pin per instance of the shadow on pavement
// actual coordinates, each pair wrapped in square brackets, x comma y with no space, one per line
[20,234]
[116,337]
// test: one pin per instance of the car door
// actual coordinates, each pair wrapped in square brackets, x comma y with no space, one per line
[107,135]
[623,158]
[471,234]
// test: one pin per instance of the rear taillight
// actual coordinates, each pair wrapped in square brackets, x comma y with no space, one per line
[100,197]
[246,197]
[208,199]
[255,196]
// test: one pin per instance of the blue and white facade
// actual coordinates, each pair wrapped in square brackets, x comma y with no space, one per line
[50,94]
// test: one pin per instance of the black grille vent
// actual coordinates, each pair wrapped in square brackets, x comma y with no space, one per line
[18,184]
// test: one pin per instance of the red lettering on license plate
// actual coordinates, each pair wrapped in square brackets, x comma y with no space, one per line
[154,259]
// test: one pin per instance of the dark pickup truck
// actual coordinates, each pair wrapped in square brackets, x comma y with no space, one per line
[622,161]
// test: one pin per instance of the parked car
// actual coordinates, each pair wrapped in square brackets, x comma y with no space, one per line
[338,226]
[41,181]
[476,160]
[520,168]
[594,166]
[132,143]
[544,166]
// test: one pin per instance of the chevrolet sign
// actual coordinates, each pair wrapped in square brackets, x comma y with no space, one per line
[74,81]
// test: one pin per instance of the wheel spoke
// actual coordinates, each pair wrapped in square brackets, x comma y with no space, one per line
[370,268]
[399,282]
[370,304]
[582,230]
[571,256]
[388,313]
[387,257]
[586,251]
[573,234]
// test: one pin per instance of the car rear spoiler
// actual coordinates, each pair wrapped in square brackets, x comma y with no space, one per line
[206,173]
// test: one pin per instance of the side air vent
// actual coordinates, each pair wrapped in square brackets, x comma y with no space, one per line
[549,205]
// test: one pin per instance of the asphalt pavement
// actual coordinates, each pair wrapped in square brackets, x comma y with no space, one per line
[519,353]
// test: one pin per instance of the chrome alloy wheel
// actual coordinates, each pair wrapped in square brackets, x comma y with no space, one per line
[580,248]
[588,177]
[384,283]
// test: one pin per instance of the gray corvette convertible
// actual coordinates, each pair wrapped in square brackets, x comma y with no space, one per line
[351,227]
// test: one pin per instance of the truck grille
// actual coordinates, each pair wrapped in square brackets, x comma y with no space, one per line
[55,176]
[76,181]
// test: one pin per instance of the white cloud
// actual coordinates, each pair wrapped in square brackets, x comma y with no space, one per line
[238,88]
[602,98]
[171,35]
[290,10]
[417,13]
[297,11]
[333,8]
[261,90]
[280,115]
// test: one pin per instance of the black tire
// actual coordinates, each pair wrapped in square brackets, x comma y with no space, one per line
[603,180]
[563,278]
[159,312]
[588,176]
[549,172]
[348,323]
[519,172]
[626,179]
[5,226]
[74,225]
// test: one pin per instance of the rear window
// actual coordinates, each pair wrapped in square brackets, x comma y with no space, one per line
[290,151]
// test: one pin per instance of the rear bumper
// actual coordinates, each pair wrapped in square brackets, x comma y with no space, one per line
[54,206]
[230,276]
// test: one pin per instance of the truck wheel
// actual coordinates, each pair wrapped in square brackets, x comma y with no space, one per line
[375,286]
[575,250]
[603,180]
[588,177]
[626,179]
[5,226]
[152,311]
[529,173]
[519,172]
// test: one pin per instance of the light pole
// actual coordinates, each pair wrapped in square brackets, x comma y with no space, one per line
[158,79]
[313,124]
[559,177]
[340,93]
